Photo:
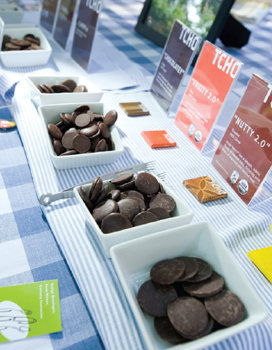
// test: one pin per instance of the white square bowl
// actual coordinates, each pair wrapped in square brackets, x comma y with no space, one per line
[94,94]
[133,261]
[26,58]
[11,13]
[51,114]
[181,215]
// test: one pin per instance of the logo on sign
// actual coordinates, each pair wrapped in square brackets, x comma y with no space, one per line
[189,38]
[95,5]
[226,63]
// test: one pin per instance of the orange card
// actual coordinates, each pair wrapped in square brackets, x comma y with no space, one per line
[212,78]
[158,139]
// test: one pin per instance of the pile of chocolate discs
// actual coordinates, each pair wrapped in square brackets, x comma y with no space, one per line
[133,201]
[29,42]
[67,85]
[188,300]
[82,131]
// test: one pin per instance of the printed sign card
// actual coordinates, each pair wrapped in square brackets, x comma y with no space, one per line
[244,156]
[64,22]
[28,310]
[85,31]
[49,9]
[179,50]
[211,81]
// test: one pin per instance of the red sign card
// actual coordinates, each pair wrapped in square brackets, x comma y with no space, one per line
[244,155]
[211,81]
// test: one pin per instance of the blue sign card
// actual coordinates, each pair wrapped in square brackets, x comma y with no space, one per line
[179,50]
[48,13]
[85,30]
[64,21]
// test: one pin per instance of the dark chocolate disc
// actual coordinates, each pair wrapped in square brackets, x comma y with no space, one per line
[127,186]
[70,152]
[166,331]
[48,88]
[11,46]
[83,120]
[121,179]
[107,208]
[85,198]
[58,148]
[104,130]
[140,202]
[103,195]
[129,207]
[67,139]
[204,271]
[207,288]
[94,140]
[95,189]
[39,87]
[114,194]
[101,146]
[60,88]
[91,114]
[34,47]
[32,39]
[70,83]
[70,118]
[154,298]
[82,109]
[6,39]
[167,271]
[64,119]
[80,88]
[54,131]
[45,89]
[136,194]
[144,218]
[110,118]
[188,316]
[20,42]
[89,131]
[147,183]
[81,143]
[110,144]
[164,201]
[207,330]
[161,213]
[191,267]
[115,222]
[226,308]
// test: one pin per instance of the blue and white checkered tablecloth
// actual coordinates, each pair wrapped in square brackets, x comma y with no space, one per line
[54,242]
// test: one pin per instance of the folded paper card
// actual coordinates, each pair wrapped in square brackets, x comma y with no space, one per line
[27,310]
[262,258]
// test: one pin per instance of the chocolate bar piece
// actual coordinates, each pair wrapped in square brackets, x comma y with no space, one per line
[205,189]
[134,108]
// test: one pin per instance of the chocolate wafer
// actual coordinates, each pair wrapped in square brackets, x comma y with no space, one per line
[205,189]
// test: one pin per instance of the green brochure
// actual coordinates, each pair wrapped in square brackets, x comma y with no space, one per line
[27,310]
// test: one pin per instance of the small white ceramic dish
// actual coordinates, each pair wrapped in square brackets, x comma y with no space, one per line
[26,58]
[51,114]
[133,261]
[181,215]
[11,13]
[94,94]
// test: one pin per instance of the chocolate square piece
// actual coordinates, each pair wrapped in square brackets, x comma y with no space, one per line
[205,189]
